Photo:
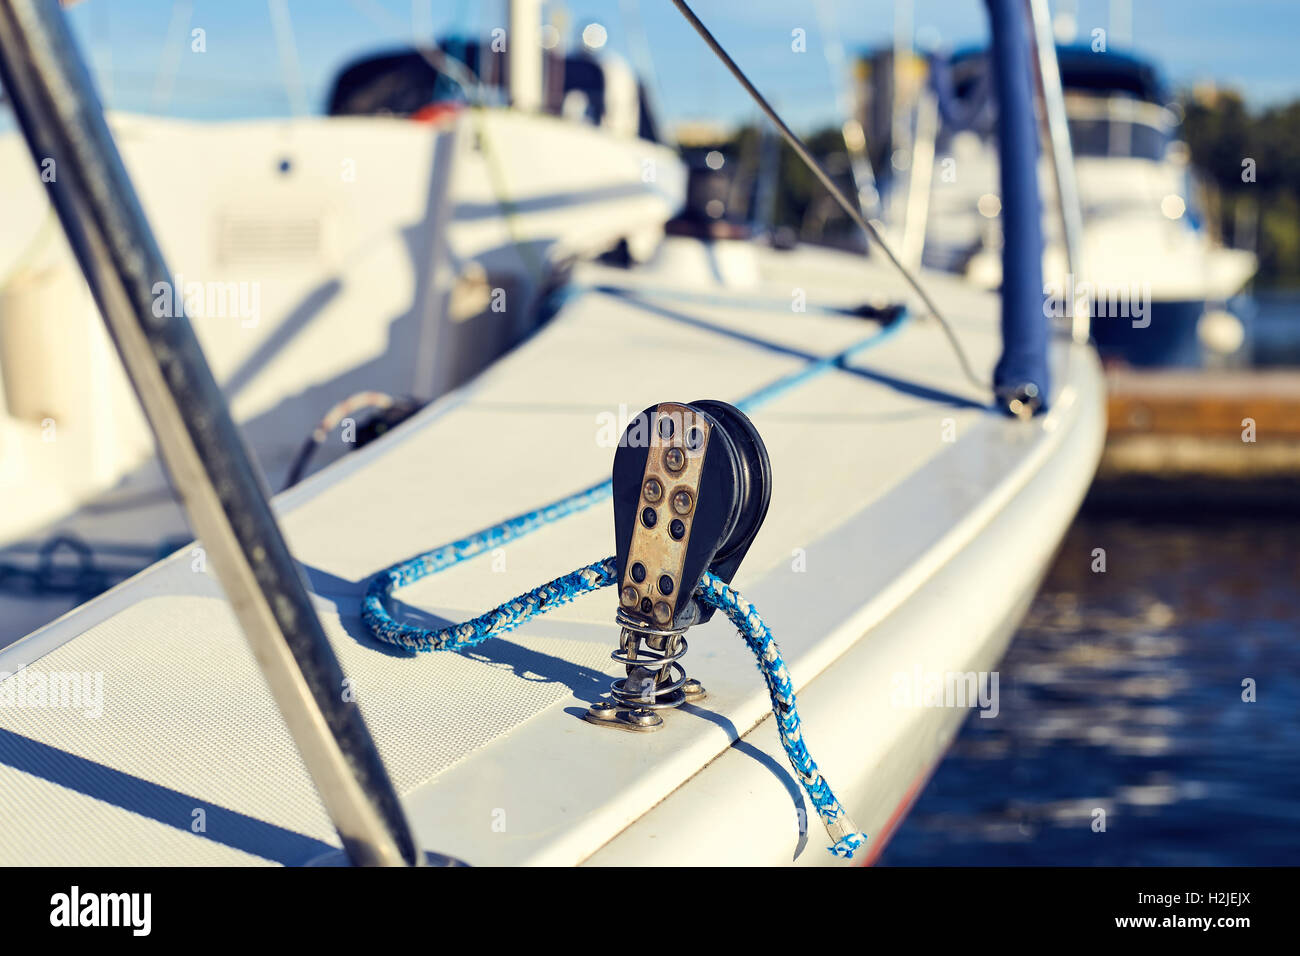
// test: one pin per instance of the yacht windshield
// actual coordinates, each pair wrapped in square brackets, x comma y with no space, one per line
[1106,137]
[1118,126]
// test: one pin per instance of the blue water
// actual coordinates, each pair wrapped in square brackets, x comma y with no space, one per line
[1123,692]
[1275,327]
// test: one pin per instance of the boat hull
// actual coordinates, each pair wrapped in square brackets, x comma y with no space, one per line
[1166,338]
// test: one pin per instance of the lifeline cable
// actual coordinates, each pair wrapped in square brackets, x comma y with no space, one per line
[510,614]
[816,168]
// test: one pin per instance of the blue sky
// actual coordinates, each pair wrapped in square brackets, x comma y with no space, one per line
[1248,45]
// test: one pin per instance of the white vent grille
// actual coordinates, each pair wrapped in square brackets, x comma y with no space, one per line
[244,239]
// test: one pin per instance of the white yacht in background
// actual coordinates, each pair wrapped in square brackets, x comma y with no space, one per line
[1160,282]
[390,249]
[916,447]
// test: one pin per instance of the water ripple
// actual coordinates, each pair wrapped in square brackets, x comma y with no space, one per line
[1122,705]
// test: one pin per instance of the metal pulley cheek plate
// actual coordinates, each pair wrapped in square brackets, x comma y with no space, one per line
[691,484]
[656,518]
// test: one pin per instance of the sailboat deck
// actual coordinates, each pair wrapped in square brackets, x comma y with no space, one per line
[885,471]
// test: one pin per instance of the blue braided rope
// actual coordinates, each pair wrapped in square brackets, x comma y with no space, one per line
[374,611]
[511,614]
[712,591]
[780,688]
[380,623]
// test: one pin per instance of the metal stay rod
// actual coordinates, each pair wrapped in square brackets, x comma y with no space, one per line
[1048,73]
[224,495]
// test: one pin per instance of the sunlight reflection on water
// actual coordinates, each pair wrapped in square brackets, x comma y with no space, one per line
[1122,692]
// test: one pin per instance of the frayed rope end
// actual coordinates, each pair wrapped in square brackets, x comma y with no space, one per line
[848,845]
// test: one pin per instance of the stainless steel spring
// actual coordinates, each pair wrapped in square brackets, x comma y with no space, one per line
[655,680]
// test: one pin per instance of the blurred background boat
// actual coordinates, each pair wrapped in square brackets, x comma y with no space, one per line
[327,259]
[1159,281]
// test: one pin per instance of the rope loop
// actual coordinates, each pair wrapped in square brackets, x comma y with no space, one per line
[564,589]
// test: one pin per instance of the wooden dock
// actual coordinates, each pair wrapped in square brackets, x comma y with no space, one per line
[1227,436]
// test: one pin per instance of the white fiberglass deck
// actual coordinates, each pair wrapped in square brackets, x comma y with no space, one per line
[896,496]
